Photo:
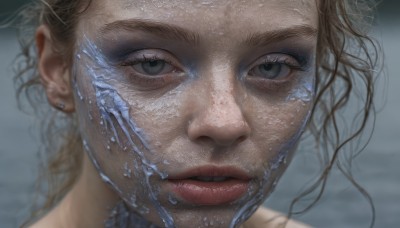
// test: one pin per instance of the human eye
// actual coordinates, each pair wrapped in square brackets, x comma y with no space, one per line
[151,68]
[275,72]
[275,67]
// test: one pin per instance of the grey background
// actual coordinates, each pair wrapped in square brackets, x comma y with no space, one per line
[377,168]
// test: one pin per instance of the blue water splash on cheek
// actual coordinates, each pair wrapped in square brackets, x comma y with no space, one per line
[280,159]
[304,90]
[115,114]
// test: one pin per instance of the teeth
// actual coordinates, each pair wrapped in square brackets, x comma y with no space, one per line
[211,179]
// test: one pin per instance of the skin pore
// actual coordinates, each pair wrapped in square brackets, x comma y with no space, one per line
[165,90]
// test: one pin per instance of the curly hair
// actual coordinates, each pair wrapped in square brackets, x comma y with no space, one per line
[347,65]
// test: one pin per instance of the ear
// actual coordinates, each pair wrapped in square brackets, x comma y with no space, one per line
[54,72]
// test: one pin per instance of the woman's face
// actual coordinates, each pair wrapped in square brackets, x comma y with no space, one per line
[190,109]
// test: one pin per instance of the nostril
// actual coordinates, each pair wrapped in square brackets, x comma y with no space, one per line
[241,139]
[204,139]
[232,132]
[221,140]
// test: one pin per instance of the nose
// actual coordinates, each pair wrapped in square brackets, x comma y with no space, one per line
[220,121]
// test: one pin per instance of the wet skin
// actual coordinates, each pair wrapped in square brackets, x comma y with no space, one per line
[162,88]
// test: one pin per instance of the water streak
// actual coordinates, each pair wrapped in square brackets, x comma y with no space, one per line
[112,105]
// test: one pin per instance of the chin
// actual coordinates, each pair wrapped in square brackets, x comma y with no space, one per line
[196,216]
[177,212]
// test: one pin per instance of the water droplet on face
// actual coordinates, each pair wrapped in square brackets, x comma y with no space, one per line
[78,92]
[148,171]
[136,165]
[133,201]
[274,184]
[163,175]
[165,162]
[112,139]
[101,122]
[127,171]
[85,146]
[144,210]
[108,147]
[158,144]
[172,200]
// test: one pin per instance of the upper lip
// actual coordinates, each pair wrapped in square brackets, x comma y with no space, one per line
[211,171]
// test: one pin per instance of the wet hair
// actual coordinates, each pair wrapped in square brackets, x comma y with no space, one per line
[347,65]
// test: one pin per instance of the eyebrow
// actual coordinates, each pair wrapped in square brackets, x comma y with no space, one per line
[263,39]
[156,28]
[167,31]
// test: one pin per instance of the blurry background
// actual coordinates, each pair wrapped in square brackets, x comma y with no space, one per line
[377,168]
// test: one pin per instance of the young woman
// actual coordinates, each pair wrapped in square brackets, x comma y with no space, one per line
[186,113]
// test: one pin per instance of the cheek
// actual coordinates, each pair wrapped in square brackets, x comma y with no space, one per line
[280,120]
[104,144]
[277,128]
[162,119]
[115,144]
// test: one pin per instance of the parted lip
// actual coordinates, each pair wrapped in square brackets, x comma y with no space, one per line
[212,171]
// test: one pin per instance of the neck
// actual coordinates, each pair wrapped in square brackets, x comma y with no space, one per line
[89,203]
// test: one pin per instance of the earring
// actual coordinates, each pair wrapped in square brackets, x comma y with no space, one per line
[60,106]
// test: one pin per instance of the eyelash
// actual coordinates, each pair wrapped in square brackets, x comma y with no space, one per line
[144,81]
[264,84]
[160,80]
[144,59]
[285,60]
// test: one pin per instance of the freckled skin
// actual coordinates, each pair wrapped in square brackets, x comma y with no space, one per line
[213,115]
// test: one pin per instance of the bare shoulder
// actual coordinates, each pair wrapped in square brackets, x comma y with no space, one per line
[51,219]
[267,218]
[45,222]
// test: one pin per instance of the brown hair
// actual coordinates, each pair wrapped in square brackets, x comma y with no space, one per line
[347,66]
[61,152]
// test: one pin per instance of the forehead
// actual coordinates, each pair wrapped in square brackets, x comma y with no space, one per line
[208,16]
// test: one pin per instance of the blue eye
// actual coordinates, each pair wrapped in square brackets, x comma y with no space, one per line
[275,66]
[153,67]
[271,70]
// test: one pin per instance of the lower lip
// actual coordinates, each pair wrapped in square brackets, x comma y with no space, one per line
[209,193]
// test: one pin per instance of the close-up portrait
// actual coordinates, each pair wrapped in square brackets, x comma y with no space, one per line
[199,113]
